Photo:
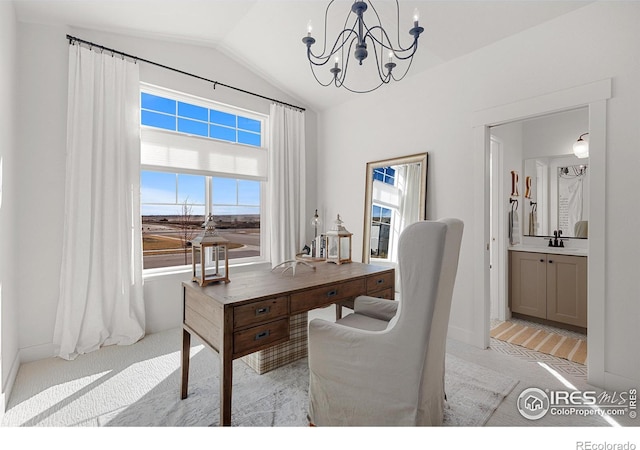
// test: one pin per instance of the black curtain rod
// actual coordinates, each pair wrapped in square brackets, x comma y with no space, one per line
[73,39]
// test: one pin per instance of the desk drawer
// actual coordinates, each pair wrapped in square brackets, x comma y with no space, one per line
[260,312]
[323,296]
[380,282]
[254,338]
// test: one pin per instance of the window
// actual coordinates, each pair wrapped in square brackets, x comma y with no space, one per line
[169,114]
[385,174]
[380,231]
[198,158]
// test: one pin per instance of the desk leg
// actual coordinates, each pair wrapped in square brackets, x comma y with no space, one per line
[226,381]
[186,349]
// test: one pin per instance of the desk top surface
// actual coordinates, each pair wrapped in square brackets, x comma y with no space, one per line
[254,285]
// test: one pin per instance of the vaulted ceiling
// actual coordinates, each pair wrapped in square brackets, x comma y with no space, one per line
[265,35]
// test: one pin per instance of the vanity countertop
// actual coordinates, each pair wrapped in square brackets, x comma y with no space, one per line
[553,250]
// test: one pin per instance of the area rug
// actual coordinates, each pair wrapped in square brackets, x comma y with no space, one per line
[533,338]
[138,386]
[280,398]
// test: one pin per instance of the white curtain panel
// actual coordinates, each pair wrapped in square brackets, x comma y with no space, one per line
[100,299]
[286,182]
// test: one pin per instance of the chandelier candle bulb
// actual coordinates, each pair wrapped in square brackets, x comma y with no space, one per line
[416,17]
[309,28]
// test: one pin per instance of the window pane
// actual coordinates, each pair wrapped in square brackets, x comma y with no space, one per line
[193,127]
[157,187]
[156,103]
[225,191]
[158,120]
[249,138]
[191,189]
[226,134]
[248,192]
[245,123]
[193,111]
[222,118]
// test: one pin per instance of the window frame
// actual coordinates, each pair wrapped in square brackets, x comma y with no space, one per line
[265,224]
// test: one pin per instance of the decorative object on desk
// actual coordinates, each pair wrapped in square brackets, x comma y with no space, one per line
[514,183]
[209,251]
[358,37]
[338,243]
[318,249]
[316,222]
[581,147]
[292,264]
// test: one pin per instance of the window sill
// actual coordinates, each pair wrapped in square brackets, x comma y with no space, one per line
[152,274]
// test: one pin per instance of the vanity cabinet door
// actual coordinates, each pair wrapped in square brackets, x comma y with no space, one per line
[529,283]
[567,289]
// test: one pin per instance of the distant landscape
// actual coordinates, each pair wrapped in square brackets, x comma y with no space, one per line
[166,239]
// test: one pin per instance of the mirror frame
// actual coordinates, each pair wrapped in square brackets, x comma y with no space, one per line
[421,158]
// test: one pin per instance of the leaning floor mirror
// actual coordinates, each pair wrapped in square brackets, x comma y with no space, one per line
[395,197]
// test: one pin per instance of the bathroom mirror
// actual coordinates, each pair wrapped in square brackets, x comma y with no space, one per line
[556,196]
[395,196]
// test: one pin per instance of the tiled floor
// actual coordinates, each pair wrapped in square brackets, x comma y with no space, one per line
[562,365]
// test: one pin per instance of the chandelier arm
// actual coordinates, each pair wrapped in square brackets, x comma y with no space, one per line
[405,72]
[326,15]
[313,72]
[345,66]
[379,25]
[361,92]
[380,65]
[323,58]
[400,50]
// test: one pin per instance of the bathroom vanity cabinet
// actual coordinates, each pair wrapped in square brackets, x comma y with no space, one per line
[549,286]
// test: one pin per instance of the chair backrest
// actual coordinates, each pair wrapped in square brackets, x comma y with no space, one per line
[428,257]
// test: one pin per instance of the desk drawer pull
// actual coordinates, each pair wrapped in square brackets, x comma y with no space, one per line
[380,281]
[264,310]
[332,293]
[262,335]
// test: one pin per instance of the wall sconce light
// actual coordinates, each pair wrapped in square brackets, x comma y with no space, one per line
[581,147]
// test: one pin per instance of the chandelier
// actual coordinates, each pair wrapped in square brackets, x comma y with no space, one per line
[361,40]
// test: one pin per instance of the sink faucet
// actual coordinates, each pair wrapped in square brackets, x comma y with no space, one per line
[556,241]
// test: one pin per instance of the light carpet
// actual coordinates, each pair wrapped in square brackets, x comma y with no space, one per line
[540,340]
[138,385]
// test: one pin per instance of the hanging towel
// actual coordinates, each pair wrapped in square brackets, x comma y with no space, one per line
[533,223]
[514,228]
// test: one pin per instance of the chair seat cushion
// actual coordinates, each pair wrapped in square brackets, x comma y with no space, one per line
[363,322]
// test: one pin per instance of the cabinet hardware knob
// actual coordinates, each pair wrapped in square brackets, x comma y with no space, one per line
[332,293]
[550,261]
[380,281]
[542,260]
[260,311]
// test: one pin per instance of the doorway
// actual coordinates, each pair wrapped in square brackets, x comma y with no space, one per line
[594,96]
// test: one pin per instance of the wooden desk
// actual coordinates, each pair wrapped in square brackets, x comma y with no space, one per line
[252,312]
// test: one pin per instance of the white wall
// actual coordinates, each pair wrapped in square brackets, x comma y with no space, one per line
[8,204]
[554,135]
[42,88]
[433,111]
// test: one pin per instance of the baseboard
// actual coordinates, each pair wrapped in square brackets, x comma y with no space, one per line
[619,382]
[36,352]
[7,386]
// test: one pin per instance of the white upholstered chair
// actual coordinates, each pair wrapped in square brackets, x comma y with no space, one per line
[378,366]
